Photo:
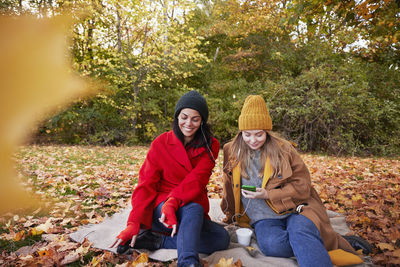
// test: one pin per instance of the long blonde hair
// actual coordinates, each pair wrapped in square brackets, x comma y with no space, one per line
[273,148]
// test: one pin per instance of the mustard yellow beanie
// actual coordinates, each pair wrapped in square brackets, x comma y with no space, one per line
[254,115]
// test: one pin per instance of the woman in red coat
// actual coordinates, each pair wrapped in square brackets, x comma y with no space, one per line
[171,196]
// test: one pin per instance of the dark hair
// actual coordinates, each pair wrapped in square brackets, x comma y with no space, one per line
[202,138]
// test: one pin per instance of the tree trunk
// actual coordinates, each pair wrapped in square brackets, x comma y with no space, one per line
[89,39]
[119,34]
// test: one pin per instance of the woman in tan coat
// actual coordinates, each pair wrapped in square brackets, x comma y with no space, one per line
[284,209]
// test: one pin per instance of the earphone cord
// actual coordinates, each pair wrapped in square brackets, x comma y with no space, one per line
[239,215]
[233,217]
[205,139]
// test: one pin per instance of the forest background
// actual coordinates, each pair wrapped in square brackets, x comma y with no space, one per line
[329,70]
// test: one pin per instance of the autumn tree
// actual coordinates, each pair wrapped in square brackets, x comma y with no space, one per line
[296,53]
[299,54]
[143,51]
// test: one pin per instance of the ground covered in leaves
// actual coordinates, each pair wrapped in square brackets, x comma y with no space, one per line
[83,185]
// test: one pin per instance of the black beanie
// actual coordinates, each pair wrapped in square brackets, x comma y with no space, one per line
[193,100]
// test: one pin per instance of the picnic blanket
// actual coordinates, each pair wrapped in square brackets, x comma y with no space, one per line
[103,234]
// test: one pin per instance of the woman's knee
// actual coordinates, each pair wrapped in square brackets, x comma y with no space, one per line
[223,238]
[192,211]
[300,224]
[214,237]
[273,239]
[275,249]
[193,207]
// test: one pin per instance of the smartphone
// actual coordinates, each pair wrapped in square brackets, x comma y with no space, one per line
[249,188]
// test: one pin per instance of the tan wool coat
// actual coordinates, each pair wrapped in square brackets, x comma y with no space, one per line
[292,188]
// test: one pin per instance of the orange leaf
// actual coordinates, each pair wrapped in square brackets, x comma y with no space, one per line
[44,253]
[19,236]
[238,263]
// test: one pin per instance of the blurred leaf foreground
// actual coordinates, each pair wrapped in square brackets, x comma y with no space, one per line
[35,80]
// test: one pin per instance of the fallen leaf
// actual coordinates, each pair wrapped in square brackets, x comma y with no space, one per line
[96,261]
[44,253]
[384,246]
[35,231]
[140,260]
[225,263]
[71,257]
[44,227]
[19,236]
[238,263]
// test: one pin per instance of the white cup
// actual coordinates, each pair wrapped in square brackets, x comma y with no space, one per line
[244,236]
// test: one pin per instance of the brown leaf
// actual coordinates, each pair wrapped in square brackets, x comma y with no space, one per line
[238,263]
[396,253]
[71,257]
[384,246]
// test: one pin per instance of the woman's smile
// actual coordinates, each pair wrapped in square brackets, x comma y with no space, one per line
[189,121]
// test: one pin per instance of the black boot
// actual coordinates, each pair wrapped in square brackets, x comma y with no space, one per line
[358,243]
[145,240]
[149,240]
[121,249]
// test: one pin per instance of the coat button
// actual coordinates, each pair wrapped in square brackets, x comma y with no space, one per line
[237,185]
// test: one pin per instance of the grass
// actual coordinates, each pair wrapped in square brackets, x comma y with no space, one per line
[11,246]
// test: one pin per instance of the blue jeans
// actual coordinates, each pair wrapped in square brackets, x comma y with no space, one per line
[195,234]
[296,236]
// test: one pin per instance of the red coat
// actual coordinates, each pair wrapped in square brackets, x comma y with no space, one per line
[171,171]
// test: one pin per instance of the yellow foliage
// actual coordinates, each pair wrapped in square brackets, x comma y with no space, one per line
[35,231]
[96,261]
[140,260]
[35,80]
[357,197]
[225,263]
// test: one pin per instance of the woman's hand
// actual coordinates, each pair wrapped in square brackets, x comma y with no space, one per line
[168,216]
[119,241]
[130,231]
[260,193]
[164,221]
